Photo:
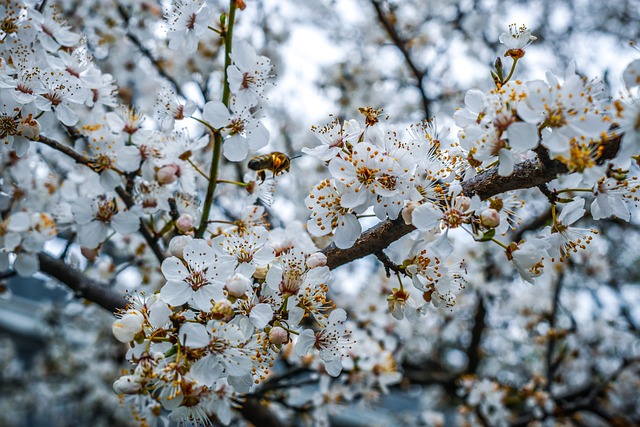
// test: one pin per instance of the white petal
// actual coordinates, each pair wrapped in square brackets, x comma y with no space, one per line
[505,167]
[193,335]
[347,232]
[202,297]
[425,217]
[306,340]
[175,293]
[334,367]
[174,269]
[92,234]
[523,136]
[260,315]
[235,148]
[126,222]
[216,114]
[26,265]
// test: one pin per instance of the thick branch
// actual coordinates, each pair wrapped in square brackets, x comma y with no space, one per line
[81,285]
[527,174]
[474,352]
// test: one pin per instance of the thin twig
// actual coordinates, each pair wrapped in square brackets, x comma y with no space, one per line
[402,47]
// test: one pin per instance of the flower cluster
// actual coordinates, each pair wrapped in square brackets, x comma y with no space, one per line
[229,294]
[231,307]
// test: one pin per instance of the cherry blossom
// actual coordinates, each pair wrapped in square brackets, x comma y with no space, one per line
[193,278]
[186,23]
[249,73]
[244,132]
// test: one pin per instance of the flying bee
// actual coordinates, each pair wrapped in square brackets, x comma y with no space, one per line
[275,162]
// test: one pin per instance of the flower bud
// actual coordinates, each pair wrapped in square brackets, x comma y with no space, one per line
[261,272]
[408,211]
[278,335]
[490,218]
[238,285]
[126,328]
[127,384]
[177,244]
[184,223]
[168,174]
[317,259]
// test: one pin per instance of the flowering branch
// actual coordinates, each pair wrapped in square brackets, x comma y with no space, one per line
[527,174]
[217,145]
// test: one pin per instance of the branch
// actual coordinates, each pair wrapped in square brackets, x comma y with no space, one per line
[79,158]
[151,240]
[81,285]
[259,414]
[401,45]
[147,53]
[474,352]
[530,173]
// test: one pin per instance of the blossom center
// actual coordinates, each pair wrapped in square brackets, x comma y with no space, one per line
[106,210]
[366,175]
[197,279]
[8,126]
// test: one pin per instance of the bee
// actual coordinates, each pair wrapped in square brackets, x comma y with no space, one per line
[275,162]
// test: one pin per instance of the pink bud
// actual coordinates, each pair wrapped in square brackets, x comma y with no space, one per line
[168,174]
[277,335]
[317,259]
[185,222]
[490,218]
[407,212]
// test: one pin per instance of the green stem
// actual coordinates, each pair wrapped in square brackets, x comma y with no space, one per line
[513,68]
[240,184]
[566,190]
[197,169]
[365,216]
[217,145]
[400,281]
[499,243]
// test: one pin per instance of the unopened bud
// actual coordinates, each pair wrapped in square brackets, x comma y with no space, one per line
[407,212]
[168,174]
[317,259]
[128,384]
[184,223]
[177,244]
[278,335]
[490,218]
[261,272]
[126,328]
[238,285]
